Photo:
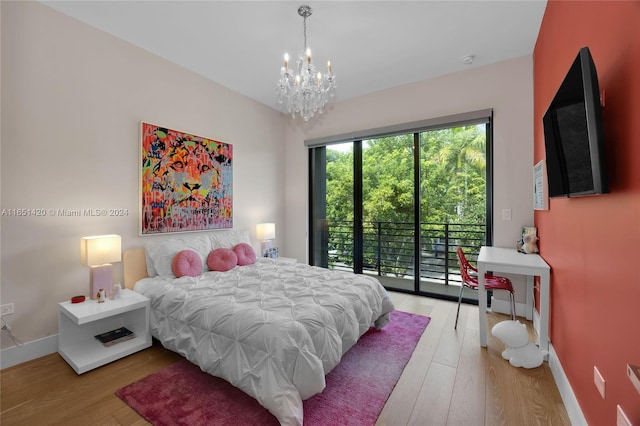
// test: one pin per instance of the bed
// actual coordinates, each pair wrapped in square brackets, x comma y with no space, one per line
[272,328]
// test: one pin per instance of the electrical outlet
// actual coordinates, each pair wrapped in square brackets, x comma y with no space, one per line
[622,419]
[598,380]
[506,214]
[6,309]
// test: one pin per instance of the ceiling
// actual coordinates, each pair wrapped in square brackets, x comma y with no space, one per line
[372,45]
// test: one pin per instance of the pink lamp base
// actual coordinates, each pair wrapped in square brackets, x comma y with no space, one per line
[100,279]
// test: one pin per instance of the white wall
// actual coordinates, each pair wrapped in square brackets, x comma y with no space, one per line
[73,97]
[72,101]
[507,87]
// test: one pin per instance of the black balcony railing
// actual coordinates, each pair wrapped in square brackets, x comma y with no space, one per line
[389,248]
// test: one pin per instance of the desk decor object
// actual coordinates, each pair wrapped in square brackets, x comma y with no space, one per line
[519,351]
[528,243]
[186,182]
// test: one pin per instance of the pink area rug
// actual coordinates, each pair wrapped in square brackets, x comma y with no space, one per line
[357,389]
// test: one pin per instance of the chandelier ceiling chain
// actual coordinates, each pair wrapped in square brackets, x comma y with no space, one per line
[305,12]
[304,90]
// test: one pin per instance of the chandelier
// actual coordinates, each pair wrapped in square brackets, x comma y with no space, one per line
[304,90]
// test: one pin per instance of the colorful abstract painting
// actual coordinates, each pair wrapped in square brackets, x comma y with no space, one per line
[186,182]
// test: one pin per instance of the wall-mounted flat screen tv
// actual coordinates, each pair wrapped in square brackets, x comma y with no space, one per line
[573,134]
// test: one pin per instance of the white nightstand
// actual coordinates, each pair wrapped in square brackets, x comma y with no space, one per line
[79,323]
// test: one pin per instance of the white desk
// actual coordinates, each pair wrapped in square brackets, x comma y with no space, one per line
[510,261]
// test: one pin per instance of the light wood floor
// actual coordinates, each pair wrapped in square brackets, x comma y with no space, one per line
[450,380]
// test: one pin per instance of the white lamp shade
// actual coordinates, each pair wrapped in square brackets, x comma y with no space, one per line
[100,249]
[266,231]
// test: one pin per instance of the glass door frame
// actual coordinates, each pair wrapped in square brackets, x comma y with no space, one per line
[318,241]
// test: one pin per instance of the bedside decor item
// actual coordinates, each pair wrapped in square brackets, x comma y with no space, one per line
[186,182]
[101,296]
[77,299]
[303,90]
[115,293]
[265,232]
[272,253]
[118,335]
[98,252]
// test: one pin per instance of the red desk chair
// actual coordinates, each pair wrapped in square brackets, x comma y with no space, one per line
[491,282]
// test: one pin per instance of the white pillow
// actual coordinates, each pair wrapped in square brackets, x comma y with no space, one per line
[151,271]
[229,239]
[162,253]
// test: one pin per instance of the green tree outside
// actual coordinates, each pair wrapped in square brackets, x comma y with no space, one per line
[452,185]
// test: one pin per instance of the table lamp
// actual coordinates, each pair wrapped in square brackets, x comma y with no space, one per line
[98,252]
[265,232]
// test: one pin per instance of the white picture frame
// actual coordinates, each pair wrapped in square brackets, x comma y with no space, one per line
[540,186]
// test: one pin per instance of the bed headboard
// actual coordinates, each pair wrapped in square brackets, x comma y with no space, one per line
[134,266]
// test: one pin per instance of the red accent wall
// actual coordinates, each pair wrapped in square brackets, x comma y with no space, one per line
[593,243]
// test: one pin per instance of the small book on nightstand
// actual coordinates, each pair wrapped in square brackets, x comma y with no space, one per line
[118,335]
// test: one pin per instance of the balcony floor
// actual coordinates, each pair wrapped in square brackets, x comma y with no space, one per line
[433,287]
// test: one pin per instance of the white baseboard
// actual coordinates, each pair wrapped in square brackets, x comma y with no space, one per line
[536,323]
[28,351]
[568,397]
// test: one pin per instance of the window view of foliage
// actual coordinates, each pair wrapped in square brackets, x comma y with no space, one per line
[452,191]
[453,180]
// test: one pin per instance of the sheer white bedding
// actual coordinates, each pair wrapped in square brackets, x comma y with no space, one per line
[273,329]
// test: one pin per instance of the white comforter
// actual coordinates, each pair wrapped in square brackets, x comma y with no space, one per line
[272,329]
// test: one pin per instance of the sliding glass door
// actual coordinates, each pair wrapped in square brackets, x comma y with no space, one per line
[388,208]
[396,206]
[454,204]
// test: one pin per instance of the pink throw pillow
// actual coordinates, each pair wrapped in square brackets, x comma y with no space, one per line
[245,253]
[222,260]
[186,263]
